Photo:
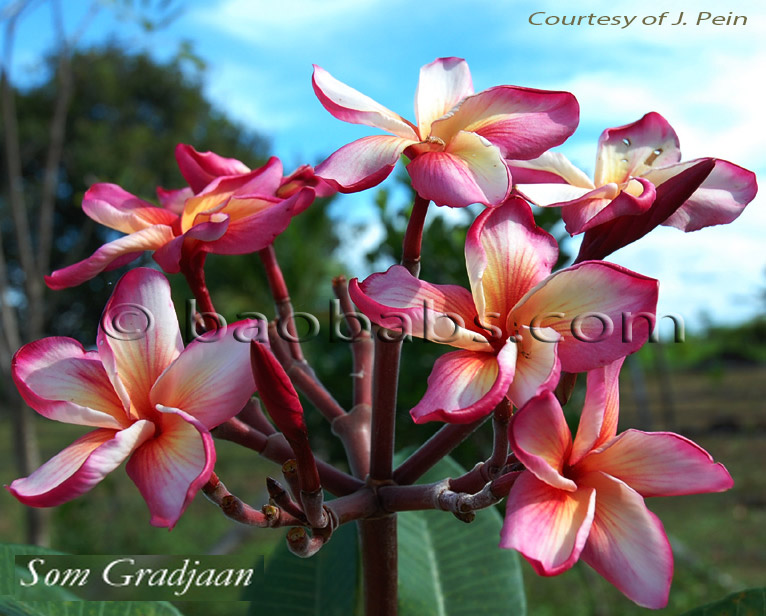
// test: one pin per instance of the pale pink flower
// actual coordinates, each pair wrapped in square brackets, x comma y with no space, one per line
[460,139]
[227,209]
[150,400]
[519,325]
[639,183]
[585,498]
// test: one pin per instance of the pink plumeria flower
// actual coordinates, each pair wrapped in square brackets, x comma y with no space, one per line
[585,498]
[519,325]
[638,175]
[459,140]
[227,209]
[149,399]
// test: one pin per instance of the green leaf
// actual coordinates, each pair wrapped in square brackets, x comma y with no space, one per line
[449,568]
[12,607]
[62,602]
[7,565]
[323,585]
[744,603]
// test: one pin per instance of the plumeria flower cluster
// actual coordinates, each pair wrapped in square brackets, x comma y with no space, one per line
[226,209]
[519,331]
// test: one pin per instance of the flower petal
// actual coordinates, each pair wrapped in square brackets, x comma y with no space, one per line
[547,525]
[201,168]
[63,382]
[596,307]
[522,122]
[349,105]
[465,385]
[506,255]
[211,379]
[719,200]
[79,467]
[173,200]
[363,163]
[120,251]
[469,170]
[258,230]
[627,544]
[443,84]
[590,212]
[171,468]
[169,256]
[549,168]
[398,301]
[659,464]
[139,335]
[264,182]
[634,149]
[114,207]
[537,368]
[600,412]
[559,195]
[540,438]
[604,239]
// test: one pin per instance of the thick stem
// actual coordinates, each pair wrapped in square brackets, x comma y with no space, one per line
[379,565]
[501,417]
[281,297]
[361,345]
[433,450]
[378,535]
[413,236]
[385,381]
[193,269]
[353,429]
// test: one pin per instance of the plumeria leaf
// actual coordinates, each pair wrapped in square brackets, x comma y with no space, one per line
[323,585]
[440,559]
[751,602]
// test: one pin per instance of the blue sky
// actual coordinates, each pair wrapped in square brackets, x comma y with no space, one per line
[707,80]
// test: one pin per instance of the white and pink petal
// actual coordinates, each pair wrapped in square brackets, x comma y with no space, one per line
[719,200]
[363,163]
[116,208]
[82,465]
[212,378]
[172,467]
[595,306]
[469,170]
[443,84]
[398,301]
[506,255]
[548,526]
[522,122]
[139,335]
[119,252]
[634,149]
[598,420]
[350,105]
[627,544]
[465,386]
[63,382]
[541,440]
[659,464]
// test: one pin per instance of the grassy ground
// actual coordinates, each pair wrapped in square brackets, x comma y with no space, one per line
[719,540]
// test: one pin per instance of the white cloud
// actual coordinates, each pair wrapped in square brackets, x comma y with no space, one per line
[284,23]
